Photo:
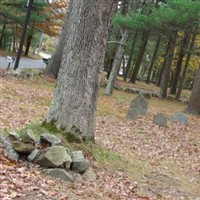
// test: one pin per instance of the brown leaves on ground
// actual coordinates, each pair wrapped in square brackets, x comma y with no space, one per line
[22,102]
[159,162]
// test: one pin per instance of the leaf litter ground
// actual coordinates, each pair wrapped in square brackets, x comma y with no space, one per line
[155,162]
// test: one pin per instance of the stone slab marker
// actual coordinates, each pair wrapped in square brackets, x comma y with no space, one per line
[137,107]
[160,119]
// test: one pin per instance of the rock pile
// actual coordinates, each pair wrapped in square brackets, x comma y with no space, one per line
[47,152]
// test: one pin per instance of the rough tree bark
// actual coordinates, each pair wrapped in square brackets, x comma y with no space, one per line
[153,59]
[182,78]
[128,66]
[145,38]
[74,100]
[28,44]
[181,55]
[2,33]
[168,61]
[194,102]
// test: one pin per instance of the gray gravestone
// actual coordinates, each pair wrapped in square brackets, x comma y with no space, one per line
[137,107]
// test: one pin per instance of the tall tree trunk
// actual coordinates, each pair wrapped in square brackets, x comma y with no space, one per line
[168,62]
[2,34]
[181,55]
[116,64]
[153,59]
[13,46]
[194,102]
[145,38]
[38,45]
[75,96]
[123,9]
[182,78]
[28,44]
[128,66]
[55,62]
[10,44]
[110,61]
[160,72]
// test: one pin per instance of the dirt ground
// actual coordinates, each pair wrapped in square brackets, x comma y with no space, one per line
[135,159]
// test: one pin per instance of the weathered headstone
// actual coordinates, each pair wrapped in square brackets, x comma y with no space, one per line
[137,107]
[160,119]
[179,118]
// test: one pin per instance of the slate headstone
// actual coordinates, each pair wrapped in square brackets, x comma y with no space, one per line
[137,107]
[179,118]
[160,119]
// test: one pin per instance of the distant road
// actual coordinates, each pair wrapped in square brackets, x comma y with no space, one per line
[25,62]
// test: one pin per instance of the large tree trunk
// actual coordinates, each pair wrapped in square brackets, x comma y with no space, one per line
[182,78]
[145,37]
[128,66]
[161,70]
[74,100]
[109,62]
[194,102]
[116,64]
[168,62]
[181,55]
[153,59]
[28,44]
[2,34]
[55,62]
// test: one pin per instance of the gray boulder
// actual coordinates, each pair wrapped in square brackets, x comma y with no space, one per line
[179,118]
[147,95]
[13,136]
[160,119]
[22,147]
[79,163]
[9,150]
[28,136]
[32,156]
[89,175]
[137,107]
[59,173]
[50,139]
[55,156]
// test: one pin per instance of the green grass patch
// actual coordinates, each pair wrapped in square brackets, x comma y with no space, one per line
[106,159]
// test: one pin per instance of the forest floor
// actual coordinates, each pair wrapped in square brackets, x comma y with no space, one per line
[132,159]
